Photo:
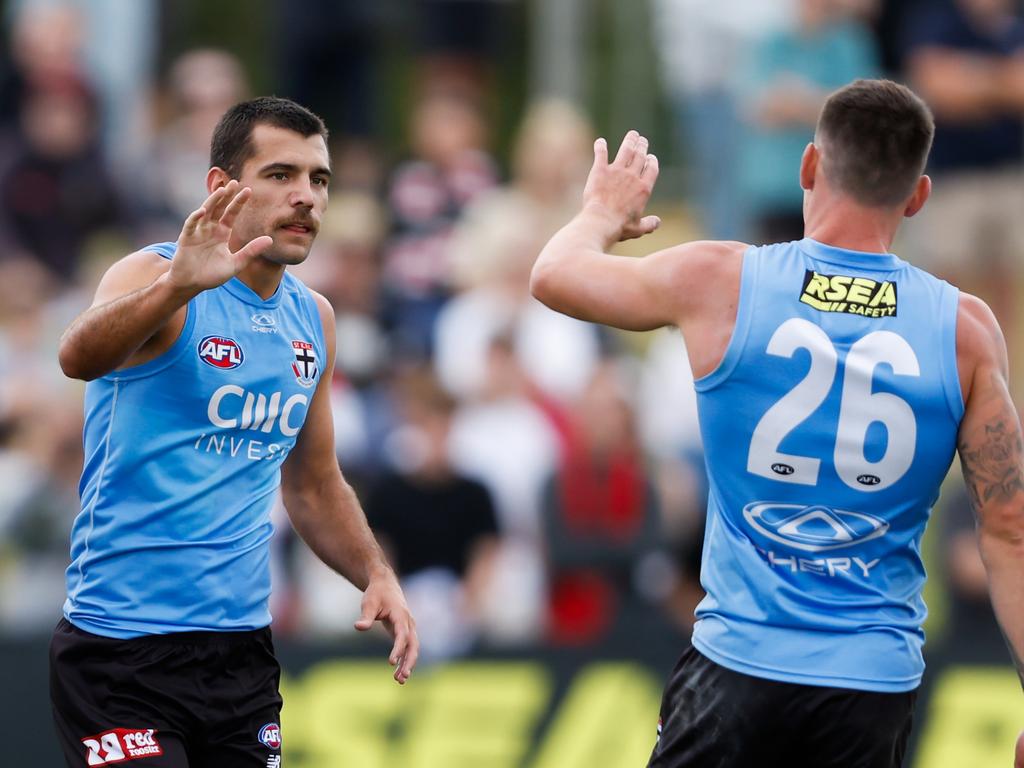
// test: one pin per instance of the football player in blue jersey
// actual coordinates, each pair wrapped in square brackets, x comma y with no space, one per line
[835,383]
[209,369]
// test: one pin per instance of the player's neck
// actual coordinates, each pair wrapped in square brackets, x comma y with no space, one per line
[262,276]
[852,227]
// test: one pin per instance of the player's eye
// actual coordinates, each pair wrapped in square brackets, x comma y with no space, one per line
[279,176]
[320,181]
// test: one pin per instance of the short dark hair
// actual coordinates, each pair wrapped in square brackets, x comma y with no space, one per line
[232,138]
[876,135]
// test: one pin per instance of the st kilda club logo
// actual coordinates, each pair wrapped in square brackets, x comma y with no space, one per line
[304,365]
[220,352]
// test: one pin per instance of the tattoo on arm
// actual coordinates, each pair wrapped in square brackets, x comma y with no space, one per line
[992,465]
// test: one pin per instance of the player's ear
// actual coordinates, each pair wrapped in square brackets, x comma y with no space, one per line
[922,191]
[216,178]
[809,166]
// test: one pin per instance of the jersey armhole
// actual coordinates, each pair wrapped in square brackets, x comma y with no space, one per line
[741,329]
[950,366]
[313,312]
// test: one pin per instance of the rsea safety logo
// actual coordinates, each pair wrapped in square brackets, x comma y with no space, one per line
[121,744]
[220,352]
[270,736]
[850,295]
[813,529]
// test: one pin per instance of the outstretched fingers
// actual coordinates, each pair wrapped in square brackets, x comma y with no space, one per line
[217,202]
[627,149]
[650,169]
[192,222]
[236,205]
[405,651]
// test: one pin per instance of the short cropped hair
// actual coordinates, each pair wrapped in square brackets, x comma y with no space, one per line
[876,135]
[232,138]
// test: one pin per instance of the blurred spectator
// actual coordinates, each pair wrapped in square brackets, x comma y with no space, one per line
[667,414]
[458,41]
[600,514]
[40,449]
[493,249]
[788,77]
[55,188]
[966,58]
[504,440]
[701,47]
[550,160]
[448,169]
[437,526]
[327,61]
[201,85]
[972,633]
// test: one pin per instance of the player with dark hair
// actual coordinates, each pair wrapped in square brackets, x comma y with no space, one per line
[209,370]
[834,383]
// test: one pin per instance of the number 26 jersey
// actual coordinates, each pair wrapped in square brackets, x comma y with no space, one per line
[828,428]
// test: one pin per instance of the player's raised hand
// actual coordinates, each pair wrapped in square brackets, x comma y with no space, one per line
[383,601]
[1018,757]
[621,189]
[204,258]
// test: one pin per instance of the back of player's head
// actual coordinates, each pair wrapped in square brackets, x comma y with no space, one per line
[232,138]
[875,136]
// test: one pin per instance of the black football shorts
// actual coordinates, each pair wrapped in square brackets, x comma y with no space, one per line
[713,717]
[190,699]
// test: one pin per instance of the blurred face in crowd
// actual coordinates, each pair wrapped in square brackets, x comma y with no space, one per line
[987,9]
[288,174]
[445,128]
[59,124]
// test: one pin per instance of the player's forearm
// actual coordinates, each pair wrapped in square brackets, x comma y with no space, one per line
[102,338]
[1004,560]
[957,86]
[330,520]
[556,273]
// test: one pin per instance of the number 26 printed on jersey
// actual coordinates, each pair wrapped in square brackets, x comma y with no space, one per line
[859,408]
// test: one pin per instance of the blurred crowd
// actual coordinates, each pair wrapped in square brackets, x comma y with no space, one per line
[533,478]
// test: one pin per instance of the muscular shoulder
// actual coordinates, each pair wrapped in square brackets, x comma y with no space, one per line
[979,340]
[134,271]
[703,268]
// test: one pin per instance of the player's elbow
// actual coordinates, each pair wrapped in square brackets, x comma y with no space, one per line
[73,363]
[544,282]
[1001,530]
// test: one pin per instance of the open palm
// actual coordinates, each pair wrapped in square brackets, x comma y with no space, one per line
[204,258]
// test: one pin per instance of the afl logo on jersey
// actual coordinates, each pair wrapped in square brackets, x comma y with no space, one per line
[220,352]
[270,736]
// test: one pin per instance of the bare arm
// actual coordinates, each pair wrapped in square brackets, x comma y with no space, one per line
[694,285]
[327,515]
[965,87]
[992,456]
[139,307]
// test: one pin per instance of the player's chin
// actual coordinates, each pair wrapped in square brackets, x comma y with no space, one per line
[288,254]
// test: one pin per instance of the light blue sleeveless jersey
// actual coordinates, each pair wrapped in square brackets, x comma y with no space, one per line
[828,427]
[182,462]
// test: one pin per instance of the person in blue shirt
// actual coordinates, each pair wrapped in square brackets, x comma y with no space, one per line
[208,369]
[835,382]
